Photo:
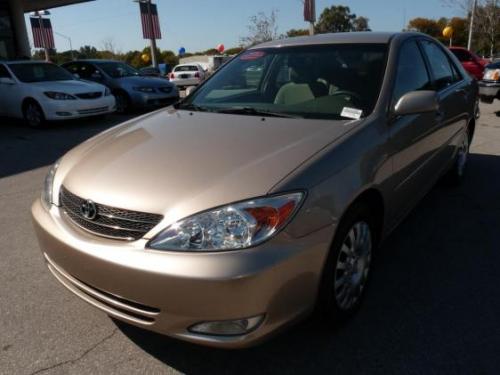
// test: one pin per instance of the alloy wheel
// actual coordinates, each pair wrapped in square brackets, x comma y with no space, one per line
[33,115]
[353,265]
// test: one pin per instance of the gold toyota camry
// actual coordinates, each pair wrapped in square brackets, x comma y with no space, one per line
[264,194]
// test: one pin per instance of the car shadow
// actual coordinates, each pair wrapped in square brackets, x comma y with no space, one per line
[23,148]
[432,306]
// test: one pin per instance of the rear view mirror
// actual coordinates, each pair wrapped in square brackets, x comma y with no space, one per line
[96,75]
[416,102]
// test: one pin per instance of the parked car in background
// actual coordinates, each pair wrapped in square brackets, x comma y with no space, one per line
[130,89]
[489,86]
[187,75]
[255,200]
[40,91]
[161,71]
[471,62]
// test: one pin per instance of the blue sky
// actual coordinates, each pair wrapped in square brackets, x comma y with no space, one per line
[202,24]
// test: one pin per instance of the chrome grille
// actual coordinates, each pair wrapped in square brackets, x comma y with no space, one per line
[90,95]
[166,90]
[92,111]
[110,222]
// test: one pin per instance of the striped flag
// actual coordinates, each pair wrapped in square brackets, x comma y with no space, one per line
[310,10]
[43,36]
[150,24]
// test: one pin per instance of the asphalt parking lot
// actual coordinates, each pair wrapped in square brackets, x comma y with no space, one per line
[433,306]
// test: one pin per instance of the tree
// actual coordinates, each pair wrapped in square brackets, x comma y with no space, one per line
[425,25]
[435,28]
[360,24]
[335,19]
[488,26]
[234,51]
[262,28]
[296,32]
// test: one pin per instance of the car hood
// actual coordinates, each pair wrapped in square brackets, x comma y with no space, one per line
[68,87]
[144,81]
[177,163]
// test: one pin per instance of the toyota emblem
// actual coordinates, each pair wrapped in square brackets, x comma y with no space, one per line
[88,210]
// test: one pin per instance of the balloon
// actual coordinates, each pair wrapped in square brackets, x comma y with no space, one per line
[221,48]
[145,57]
[448,32]
[182,51]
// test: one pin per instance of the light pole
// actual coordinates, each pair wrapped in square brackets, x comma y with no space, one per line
[70,44]
[471,26]
[38,14]
[150,24]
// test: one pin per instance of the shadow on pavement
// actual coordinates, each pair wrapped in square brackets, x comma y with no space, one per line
[23,148]
[432,306]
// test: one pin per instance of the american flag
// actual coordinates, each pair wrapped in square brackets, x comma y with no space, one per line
[150,25]
[310,10]
[43,36]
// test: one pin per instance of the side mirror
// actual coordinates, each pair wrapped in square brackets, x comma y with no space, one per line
[190,89]
[416,102]
[7,81]
[76,75]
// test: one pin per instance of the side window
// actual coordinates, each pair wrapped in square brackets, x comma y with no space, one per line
[411,74]
[440,65]
[4,73]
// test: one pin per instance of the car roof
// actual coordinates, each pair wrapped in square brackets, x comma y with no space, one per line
[16,62]
[94,61]
[367,37]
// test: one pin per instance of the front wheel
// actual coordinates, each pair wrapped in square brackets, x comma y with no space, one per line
[347,269]
[33,114]
[122,102]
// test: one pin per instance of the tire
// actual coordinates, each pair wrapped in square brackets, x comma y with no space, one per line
[346,272]
[456,174]
[122,102]
[33,114]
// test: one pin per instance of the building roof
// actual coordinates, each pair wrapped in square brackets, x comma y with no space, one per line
[350,37]
[32,5]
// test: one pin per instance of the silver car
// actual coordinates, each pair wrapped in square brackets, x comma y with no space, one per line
[264,194]
[130,88]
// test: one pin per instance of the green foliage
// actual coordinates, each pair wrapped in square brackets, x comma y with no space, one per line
[296,32]
[340,19]
[435,29]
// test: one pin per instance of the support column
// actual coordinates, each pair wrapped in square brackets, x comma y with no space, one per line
[19,25]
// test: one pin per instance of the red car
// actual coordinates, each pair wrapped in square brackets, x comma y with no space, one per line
[470,61]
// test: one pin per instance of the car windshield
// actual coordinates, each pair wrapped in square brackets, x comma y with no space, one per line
[40,72]
[117,69]
[324,82]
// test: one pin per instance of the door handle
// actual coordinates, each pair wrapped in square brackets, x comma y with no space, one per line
[440,115]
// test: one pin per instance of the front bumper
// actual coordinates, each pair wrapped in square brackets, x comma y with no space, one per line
[72,109]
[489,89]
[168,292]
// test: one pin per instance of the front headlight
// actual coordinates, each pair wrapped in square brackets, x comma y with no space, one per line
[235,226]
[48,185]
[59,95]
[145,89]
[492,74]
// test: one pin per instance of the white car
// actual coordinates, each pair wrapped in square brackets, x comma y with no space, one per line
[41,91]
[185,75]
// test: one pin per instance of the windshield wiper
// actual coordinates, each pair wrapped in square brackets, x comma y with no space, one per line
[254,112]
[191,107]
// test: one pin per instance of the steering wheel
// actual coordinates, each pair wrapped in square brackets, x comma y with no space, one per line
[357,97]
